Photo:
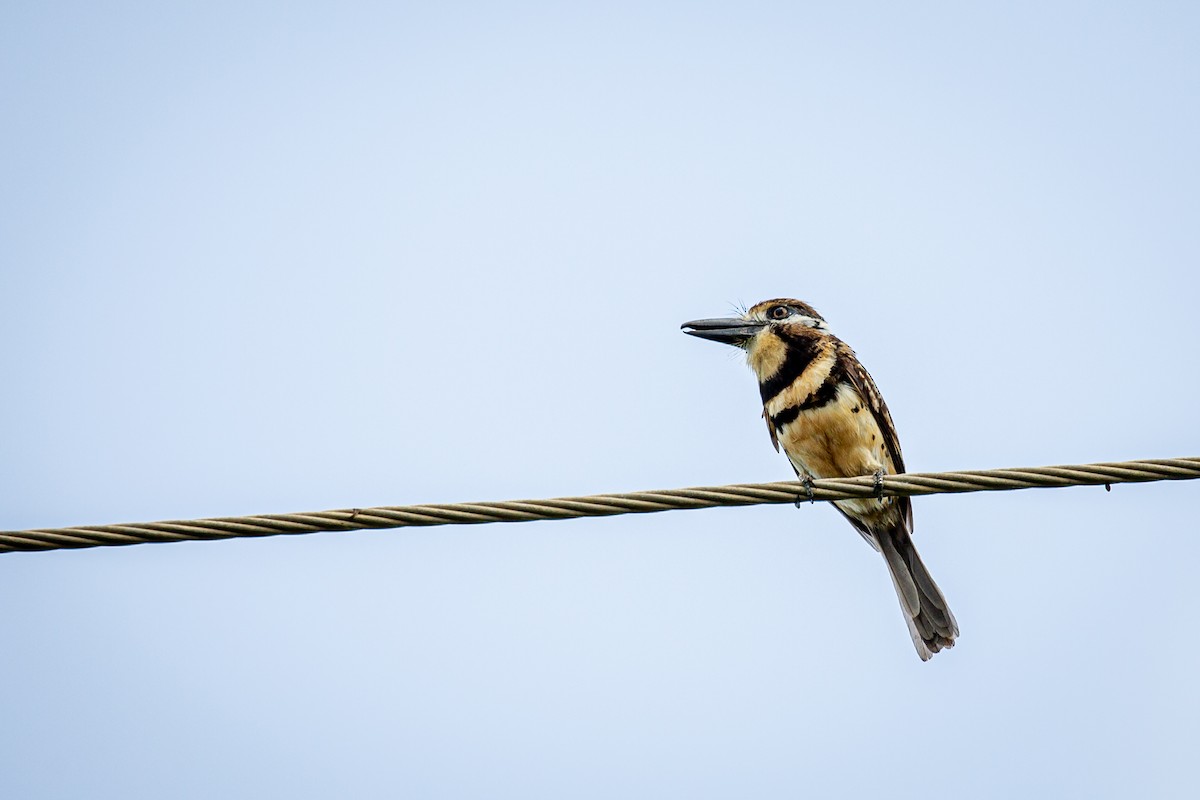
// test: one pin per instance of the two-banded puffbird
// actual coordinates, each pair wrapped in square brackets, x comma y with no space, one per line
[826,413]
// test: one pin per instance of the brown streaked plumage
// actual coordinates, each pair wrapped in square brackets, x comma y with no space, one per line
[826,414]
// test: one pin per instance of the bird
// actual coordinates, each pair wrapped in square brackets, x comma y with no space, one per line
[826,413]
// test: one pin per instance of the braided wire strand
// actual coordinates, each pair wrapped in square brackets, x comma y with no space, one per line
[902,485]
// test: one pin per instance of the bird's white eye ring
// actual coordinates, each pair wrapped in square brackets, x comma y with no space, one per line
[779,312]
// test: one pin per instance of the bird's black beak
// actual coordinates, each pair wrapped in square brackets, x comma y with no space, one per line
[735,331]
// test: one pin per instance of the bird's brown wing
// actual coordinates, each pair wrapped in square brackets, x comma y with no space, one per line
[862,381]
[771,430]
[865,385]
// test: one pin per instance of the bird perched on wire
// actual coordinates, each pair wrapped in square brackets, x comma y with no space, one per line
[826,413]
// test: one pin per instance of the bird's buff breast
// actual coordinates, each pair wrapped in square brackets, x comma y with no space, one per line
[837,441]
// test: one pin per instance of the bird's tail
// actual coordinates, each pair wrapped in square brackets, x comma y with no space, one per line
[929,619]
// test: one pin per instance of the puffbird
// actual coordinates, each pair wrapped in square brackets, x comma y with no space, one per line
[824,410]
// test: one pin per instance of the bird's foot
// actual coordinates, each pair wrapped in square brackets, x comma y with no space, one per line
[879,483]
[807,483]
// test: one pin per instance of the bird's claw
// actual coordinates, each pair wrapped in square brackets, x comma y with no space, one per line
[879,483]
[807,483]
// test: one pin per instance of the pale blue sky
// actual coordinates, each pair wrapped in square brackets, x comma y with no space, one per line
[261,257]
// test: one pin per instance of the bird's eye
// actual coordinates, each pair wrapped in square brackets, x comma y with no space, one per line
[779,312]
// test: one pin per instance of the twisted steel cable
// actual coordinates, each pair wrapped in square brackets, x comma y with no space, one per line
[603,505]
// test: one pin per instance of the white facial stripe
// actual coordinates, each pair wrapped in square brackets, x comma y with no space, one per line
[795,317]
[811,322]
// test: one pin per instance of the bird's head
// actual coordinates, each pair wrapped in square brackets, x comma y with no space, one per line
[771,319]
